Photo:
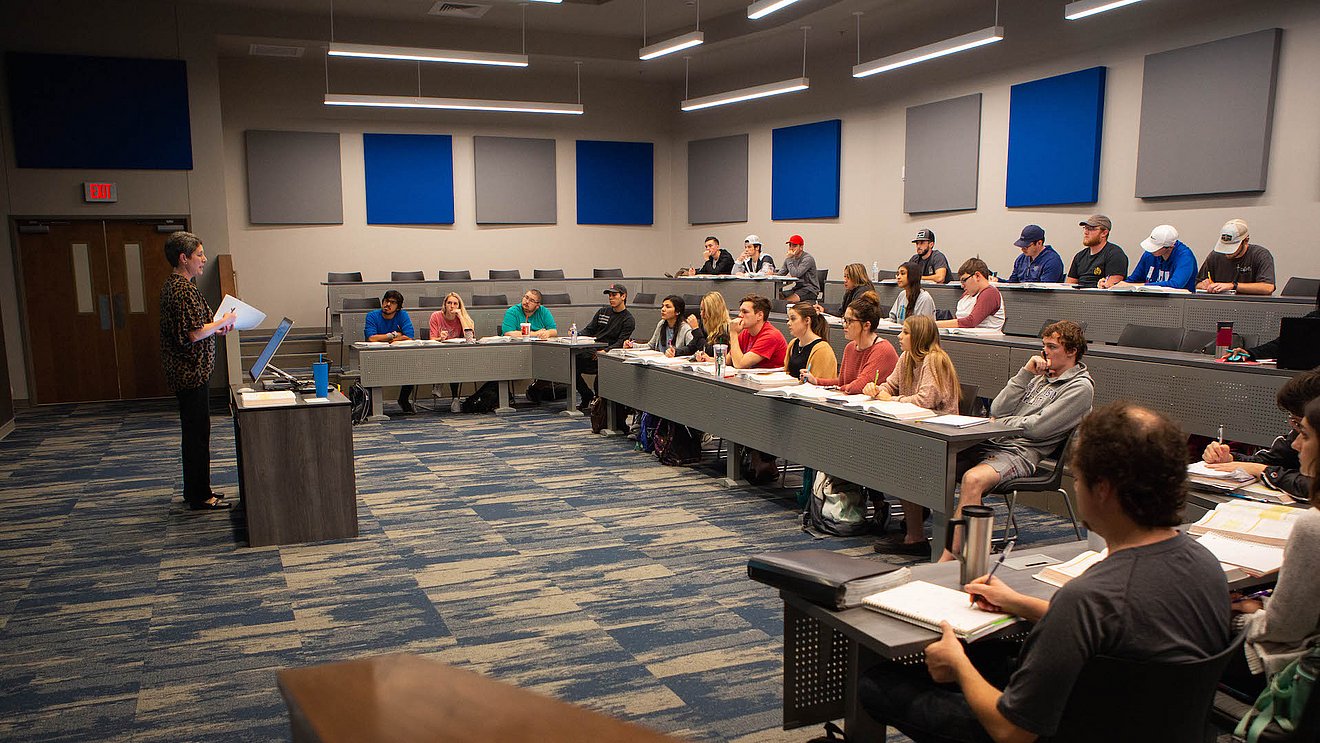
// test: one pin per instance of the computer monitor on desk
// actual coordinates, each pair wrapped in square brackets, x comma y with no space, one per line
[263,365]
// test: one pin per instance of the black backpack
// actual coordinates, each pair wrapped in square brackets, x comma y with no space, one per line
[484,400]
[359,403]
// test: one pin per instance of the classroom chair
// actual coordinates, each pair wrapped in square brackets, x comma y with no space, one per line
[430,301]
[343,277]
[547,273]
[1299,286]
[489,300]
[361,303]
[407,276]
[646,298]
[556,299]
[1151,336]
[968,403]
[607,273]
[1048,477]
[512,273]
[824,276]
[693,302]
[454,275]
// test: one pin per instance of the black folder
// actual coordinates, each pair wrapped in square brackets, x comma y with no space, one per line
[823,577]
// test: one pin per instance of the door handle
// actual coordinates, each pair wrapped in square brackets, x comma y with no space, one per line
[103,309]
[120,314]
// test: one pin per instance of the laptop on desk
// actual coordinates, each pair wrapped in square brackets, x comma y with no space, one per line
[1299,343]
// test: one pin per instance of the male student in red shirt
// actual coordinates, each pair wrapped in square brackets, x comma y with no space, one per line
[753,342]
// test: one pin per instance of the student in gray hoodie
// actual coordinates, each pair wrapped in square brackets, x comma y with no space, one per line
[1048,398]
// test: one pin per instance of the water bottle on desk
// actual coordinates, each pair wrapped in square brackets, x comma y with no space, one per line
[720,351]
[875,271]
[572,333]
[1223,339]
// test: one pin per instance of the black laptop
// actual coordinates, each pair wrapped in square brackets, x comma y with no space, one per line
[1299,343]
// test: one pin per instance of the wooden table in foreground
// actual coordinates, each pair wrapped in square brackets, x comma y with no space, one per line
[406,698]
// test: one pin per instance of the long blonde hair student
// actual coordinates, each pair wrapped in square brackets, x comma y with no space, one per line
[924,338]
[714,316]
[463,315]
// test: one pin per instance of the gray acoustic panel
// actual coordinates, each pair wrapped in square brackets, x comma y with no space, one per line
[717,180]
[943,152]
[294,178]
[1206,115]
[515,180]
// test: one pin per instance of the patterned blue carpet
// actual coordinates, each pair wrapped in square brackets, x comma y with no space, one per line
[520,546]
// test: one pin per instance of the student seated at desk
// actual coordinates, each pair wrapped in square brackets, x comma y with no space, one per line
[1048,397]
[1165,261]
[924,376]
[1129,465]
[981,305]
[810,350]
[612,325]
[531,311]
[719,262]
[1100,263]
[1278,466]
[855,284]
[391,324]
[1038,264]
[867,357]
[672,333]
[452,322]
[1281,628]
[1236,265]
[911,299]
[714,326]
[753,342]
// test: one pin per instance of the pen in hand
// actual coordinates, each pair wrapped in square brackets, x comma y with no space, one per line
[1008,549]
[1221,433]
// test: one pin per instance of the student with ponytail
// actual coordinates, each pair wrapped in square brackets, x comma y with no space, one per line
[810,349]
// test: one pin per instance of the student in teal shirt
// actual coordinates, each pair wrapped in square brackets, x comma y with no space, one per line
[529,311]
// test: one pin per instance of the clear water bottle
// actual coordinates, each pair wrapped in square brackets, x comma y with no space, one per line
[572,333]
[720,351]
[875,270]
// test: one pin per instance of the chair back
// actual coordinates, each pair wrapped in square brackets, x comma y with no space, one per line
[693,302]
[512,273]
[454,275]
[547,273]
[778,306]
[968,404]
[882,274]
[824,274]
[1151,336]
[343,277]
[431,301]
[1299,286]
[645,298]
[556,299]
[489,300]
[607,273]
[361,303]
[407,276]
[1045,478]
[1118,699]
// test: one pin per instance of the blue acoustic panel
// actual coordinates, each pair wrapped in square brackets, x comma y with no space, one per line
[804,171]
[410,178]
[99,112]
[1054,129]
[615,182]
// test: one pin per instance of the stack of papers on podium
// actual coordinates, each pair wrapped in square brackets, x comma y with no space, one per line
[1159,289]
[1261,523]
[893,409]
[832,319]
[771,379]
[265,399]
[1039,285]
[1207,475]
[801,392]
[846,400]
[637,351]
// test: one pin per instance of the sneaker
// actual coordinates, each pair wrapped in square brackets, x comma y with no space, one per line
[406,407]
[456,406]
[900,547]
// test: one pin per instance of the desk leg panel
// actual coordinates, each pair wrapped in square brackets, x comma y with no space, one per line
[815,670]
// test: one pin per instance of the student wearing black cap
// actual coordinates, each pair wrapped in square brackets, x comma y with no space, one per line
[612,325]
[934,266]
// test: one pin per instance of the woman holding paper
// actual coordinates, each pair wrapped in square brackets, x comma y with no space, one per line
[924,376]
[451,322]
[1281,627]
[867,357]
[809,350]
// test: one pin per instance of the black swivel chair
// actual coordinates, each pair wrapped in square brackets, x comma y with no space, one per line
[489,300]
[556,299]
[968,402]
[431,301]
[1299,286]
[407,276]
[547,273]
[779,306]
[512,273]
[647,298]
[607,273]
[693,301]
[1119,699]
[344,277]
[824,274]
[882,274]
[361,303]
[454,275]
[1047,477]
[1151,336]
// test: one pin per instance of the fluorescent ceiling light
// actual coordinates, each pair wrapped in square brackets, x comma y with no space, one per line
[1084,8]
[763,8]
[686,41]
[456,56]
[452,104]
[746,94]
[931,51]
[553,2]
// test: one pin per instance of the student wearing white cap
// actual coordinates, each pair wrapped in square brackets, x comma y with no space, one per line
[1237,265]
[752,260]
[1167,261]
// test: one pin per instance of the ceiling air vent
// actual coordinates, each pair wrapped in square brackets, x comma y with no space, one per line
[458,10]
[274,50]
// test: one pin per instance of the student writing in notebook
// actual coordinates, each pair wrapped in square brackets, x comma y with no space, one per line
[1278,466]
[1157,597]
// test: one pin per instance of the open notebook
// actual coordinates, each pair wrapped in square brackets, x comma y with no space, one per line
[926,605]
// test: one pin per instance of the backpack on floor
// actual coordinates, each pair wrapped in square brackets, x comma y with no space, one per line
[676,444]
[359,403]
[647,426]
[484,400]
[1283,703]
[836,507]
[540,391]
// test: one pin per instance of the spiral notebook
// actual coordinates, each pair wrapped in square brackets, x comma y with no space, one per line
[926,605]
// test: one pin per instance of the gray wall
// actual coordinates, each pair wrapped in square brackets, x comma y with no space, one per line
[943,152]
[515,180]
[717,180]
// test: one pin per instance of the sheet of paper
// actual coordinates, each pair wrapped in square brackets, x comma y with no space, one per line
[1262,558]
[248,317]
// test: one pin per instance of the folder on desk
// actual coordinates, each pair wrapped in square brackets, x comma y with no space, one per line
[823,577]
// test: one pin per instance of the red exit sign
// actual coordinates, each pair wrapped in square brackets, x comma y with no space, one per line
[100,193]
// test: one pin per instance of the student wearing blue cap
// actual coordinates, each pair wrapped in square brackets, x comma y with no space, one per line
[1039,263]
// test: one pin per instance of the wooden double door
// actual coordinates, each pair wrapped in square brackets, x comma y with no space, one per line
[91,298]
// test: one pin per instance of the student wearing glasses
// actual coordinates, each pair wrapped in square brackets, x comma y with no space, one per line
[925,377]
[867,357]
[911,299]
[1278,466]
[981,305]
[530,310]
[391,324]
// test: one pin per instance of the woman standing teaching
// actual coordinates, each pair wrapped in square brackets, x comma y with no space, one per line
[187,351]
